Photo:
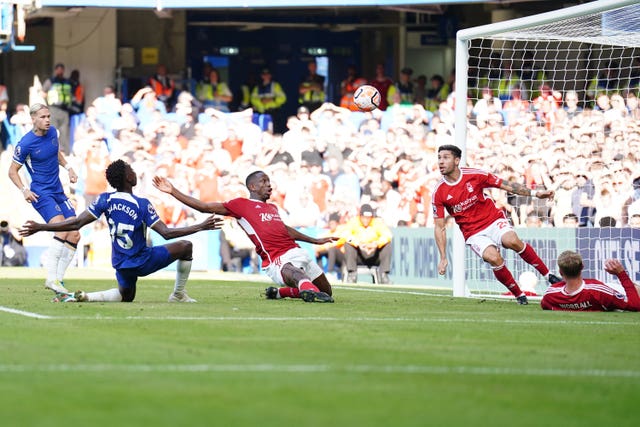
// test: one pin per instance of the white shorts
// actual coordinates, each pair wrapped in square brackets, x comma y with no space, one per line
[298,257]
[490,236]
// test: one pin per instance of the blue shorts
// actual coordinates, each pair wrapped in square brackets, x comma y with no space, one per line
[50,205]
[158,258]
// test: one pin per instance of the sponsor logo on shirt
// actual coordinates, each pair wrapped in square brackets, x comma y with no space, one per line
[268,217]
[576,305]
[464,205]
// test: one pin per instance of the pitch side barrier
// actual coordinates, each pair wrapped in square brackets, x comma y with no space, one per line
[415,254]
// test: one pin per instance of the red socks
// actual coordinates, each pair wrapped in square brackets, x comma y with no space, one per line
[306,285]
[505,277]
[288,292]
[531,257]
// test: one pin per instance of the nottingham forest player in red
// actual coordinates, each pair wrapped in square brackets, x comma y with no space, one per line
[577,294]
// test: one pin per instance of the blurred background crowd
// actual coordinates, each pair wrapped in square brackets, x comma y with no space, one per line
[328,160]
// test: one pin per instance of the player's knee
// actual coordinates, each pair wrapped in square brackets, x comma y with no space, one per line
[187,249]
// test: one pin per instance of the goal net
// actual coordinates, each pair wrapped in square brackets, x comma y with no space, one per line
[550,101]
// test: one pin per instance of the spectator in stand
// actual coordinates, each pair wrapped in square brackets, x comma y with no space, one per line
[163,86]
[575,293]
[146,104]
[382,83]
[570,220]
[268,98]
[367,242]
[13,253]
[634,221]
[487,105]
[571,105]
[332,251]
[348,87]
[236,249]
[420,90]
[311,89]
[77,93]
[582,200]
[214,92]
[57,92]
[436,94]
[401,92]
[21,122]
[532,76]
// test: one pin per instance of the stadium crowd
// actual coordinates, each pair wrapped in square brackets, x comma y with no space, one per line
[332,160]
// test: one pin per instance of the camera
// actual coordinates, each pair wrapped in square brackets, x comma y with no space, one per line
[4,225]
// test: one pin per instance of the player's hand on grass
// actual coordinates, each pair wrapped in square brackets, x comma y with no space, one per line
[162,184]
[442,266]
[29,228]
[613,266]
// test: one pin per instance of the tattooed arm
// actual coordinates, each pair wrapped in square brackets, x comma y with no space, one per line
[521,189]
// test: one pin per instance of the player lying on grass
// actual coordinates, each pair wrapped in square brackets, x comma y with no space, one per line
[485,229]
[577,294]
[128,217]
[284,261]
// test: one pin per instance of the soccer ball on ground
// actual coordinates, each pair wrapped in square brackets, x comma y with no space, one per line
[367,98]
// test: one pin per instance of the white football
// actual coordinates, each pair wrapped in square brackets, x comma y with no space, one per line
[367,98]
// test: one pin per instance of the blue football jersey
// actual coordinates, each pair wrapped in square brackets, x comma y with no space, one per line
[40,156]
[128,217]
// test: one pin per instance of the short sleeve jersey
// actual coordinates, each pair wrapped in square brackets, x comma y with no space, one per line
[128,217]
[593,295]
[466,202]
[39,154]
[262,223]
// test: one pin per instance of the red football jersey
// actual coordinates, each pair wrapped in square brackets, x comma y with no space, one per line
[262,223]
[593,295]
[466,202]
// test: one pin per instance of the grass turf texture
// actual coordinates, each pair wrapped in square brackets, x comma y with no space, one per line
[377,357]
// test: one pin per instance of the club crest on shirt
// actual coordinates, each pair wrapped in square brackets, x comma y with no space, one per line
[469,187]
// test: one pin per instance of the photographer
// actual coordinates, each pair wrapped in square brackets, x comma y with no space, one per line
[13,253]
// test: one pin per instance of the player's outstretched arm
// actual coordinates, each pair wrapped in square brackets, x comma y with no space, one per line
[164,185]
[31,227]
[296,235]
[615,267]
[521,189]
[211,223]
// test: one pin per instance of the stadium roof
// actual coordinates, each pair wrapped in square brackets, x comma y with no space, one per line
[218,4]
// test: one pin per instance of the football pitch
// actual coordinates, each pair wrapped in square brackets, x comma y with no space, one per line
[380,356]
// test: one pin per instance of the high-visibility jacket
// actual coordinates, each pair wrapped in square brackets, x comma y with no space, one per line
[405,92]
[312,95]
[268,97]
[164,90]
[59,94]
[357,234]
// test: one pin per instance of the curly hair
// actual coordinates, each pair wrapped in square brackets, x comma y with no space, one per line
[116,174]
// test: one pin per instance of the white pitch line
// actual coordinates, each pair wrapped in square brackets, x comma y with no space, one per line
[25,313]
[353,369]
[348,319]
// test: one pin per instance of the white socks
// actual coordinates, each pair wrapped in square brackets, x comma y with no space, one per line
[110,295]
[182,274]
[65,259]
[53,259]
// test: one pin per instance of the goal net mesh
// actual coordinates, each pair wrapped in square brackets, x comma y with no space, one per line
[554,106]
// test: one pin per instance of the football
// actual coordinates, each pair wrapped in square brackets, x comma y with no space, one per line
[367,98]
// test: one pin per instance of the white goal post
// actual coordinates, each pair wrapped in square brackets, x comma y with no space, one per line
[560,52]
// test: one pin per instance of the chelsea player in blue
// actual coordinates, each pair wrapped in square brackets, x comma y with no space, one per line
[39,151]
[128,217]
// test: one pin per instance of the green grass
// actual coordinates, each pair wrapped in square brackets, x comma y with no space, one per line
[377,357]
